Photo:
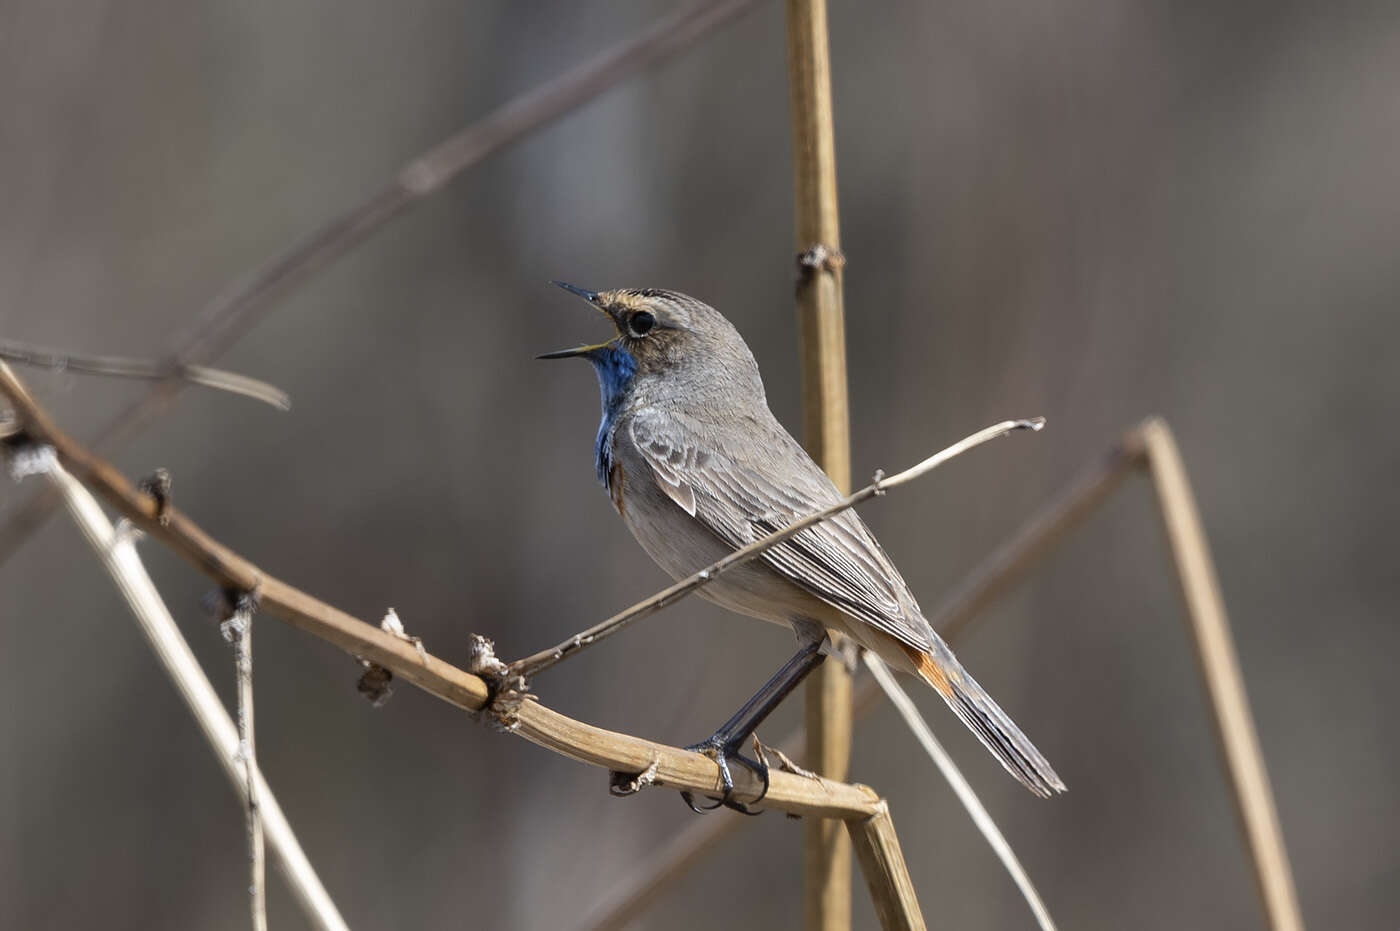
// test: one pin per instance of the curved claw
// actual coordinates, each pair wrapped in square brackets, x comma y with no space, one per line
[722,755]
[761,768]
[743,809]
[690,800]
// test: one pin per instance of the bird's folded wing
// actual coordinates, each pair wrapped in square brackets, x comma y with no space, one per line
[745,488]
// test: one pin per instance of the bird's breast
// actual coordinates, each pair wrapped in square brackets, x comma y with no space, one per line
[681,545]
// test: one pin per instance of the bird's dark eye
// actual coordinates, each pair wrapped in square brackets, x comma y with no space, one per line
[641,323]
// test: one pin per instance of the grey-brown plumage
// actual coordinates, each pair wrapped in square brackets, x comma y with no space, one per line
[698,466]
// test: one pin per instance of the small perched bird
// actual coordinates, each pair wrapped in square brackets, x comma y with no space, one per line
[697,466]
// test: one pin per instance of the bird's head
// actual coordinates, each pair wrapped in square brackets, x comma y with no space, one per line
[665,333]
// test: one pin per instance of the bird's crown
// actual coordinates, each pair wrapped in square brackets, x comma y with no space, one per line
[662,330]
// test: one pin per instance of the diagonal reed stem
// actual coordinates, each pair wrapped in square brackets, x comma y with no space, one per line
[961,787]
[150,370]
[1223,681]
[116,548]
[248,299]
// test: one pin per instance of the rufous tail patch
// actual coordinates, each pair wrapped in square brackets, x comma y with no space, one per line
[929,670]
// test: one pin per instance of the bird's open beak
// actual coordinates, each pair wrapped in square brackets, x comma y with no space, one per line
[592,298]
[589,296]
[576,351]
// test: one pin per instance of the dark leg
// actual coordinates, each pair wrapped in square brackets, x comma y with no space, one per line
[725,743]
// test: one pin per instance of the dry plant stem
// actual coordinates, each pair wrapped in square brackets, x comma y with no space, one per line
[538,662]
[961,788]
[1037,537]
[117,551]
[232,571]
[825,415]
[676,768]
[1007,565]
[123,367]
[1215,649]
[682,769]
[886,875]
[249,298]
[241,626]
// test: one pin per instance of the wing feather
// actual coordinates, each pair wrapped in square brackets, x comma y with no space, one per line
[731,485]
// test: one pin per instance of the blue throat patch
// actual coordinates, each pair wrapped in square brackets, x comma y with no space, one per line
[615,368]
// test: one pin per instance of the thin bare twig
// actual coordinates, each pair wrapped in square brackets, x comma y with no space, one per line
[116,548]
[538,662]
[249,298]
[975,809]
[148,369]
[238,630]
[675,768]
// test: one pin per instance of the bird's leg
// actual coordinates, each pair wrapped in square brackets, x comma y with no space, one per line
[725,743]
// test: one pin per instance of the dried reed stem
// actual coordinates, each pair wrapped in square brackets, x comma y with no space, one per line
[149,370]
[116,549]
[826,417]
[1066,510]
[538,662]
[1215,649]
[249,298]
[239,631]
[886,875]
[961,787]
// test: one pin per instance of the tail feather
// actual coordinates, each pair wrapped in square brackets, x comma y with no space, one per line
[998,733]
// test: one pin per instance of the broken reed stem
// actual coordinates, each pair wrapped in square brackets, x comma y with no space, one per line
[239,630]
[961,787]
[886,875]
[116,548]
[243,302]
[149,370]
[675,768]
[538,662]
[1220,669]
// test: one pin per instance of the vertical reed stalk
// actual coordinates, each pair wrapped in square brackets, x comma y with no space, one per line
[826,421]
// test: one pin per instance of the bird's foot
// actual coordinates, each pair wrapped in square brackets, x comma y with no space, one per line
[723,753]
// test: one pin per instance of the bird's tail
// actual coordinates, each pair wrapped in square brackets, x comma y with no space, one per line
[984,718]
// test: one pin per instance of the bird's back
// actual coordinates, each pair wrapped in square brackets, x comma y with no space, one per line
[700,483]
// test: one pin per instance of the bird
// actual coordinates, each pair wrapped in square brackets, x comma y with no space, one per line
[697,466]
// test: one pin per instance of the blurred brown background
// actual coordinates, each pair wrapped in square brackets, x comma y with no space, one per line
[1092,212]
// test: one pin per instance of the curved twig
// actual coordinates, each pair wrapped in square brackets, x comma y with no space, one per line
[961,788]
[544,659]
[248,298]
[148,369]
[675,768]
